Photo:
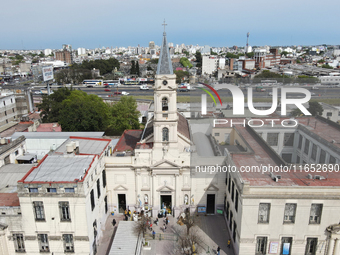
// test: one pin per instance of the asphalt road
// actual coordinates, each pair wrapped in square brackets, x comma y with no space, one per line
[322,92]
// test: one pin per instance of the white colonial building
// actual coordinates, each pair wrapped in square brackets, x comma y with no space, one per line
[150,168]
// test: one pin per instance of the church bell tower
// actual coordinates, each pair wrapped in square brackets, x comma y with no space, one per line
[165,102]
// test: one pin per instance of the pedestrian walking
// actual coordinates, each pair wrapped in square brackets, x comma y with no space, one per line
[218,250]
[229,241]
[153,234]
[166,220]
[114,222]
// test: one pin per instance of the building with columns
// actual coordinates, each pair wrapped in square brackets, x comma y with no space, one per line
[150,168]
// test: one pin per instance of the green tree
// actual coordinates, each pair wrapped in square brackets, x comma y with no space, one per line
[104,65]
[298,61]
[285,53]
[185,62]
[321,61]
[52,104]
[42,55]
[124,116]
[72,75]
[231,55]
[180,75]
[198,57]
[250,54]
[268,74]
[212,52]
[315,108]
[153,61]
[327,66]
[133,67]
[83,112]
[296,112]
[186,53]
[137,68]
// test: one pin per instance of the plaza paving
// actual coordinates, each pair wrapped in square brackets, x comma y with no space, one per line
[212,229]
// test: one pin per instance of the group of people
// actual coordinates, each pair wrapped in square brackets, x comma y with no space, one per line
[127,215]
[163,228]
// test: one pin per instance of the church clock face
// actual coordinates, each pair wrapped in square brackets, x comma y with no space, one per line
[165,82]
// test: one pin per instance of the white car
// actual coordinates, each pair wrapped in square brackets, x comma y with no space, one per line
[124,93]
[144,87]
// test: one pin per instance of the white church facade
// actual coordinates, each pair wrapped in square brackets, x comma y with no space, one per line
[150,168]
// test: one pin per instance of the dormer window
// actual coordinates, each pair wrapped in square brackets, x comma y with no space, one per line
[165,137]
[164,104]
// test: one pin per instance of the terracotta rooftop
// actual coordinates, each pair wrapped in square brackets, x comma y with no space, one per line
[329,131]
[128,140]
[20,127]
[263,156]
[183,126]
[9,199]
[49,127]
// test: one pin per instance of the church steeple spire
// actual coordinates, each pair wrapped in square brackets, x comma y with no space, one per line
[164,62]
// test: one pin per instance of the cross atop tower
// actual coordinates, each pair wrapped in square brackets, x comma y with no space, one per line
[164,25]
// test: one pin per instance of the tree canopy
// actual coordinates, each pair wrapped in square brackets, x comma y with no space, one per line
[75,110]
[185,62]
[296,112]
[180,75]
[315,108]
[124,116]
[231,55]
[198,57]
[83,112]
[52,104]
[326,66]
[104,65]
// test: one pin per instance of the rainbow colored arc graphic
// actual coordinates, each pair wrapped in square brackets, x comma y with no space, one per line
[208,92]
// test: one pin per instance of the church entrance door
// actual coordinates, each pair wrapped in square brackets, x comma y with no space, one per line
[121,203]
[210,203]
[166,202]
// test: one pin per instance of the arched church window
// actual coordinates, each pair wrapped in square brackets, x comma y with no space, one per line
[165,104]
[165,134]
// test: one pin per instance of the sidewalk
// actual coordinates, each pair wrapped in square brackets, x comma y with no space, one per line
[104,242]
[212,229]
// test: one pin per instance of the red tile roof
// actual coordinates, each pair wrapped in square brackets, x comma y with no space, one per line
[20,127]
[9,199]
[49,127]
[128,140]
[262,156]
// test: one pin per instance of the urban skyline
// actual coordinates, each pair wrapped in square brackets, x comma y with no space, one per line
[38,25]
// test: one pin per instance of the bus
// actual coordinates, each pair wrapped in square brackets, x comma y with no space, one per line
[131,82]
[92,83]
[269,82]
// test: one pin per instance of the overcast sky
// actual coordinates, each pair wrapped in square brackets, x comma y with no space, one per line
[41,24]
